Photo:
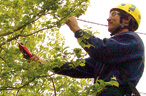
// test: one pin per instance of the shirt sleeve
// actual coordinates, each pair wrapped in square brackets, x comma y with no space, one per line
[86,71]
[117,49]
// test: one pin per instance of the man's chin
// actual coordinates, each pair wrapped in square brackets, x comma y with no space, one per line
[110,30]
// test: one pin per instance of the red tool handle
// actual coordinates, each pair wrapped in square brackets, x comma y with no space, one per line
[27,54]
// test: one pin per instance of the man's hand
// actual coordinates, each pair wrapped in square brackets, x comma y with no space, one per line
[37,59]
[34,58]
[73,24]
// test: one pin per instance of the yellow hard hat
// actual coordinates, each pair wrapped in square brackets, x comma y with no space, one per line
[131,9]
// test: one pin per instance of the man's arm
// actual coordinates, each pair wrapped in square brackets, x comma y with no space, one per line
[107,50]
[73,24]
[86,71]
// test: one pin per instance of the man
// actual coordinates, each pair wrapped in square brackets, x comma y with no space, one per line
[121,56]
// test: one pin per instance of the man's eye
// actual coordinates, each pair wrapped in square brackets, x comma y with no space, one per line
[113,14]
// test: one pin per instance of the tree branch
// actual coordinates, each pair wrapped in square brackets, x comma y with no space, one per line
[9,40]
[54,87]
[25,35]
[34,32]
[12,88]
[41,13]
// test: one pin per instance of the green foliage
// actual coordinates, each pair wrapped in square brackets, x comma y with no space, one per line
[84,37]
[36,24]
[99,86]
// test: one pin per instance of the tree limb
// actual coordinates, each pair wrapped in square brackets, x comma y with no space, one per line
[12,88]
[41,13]
[9,40]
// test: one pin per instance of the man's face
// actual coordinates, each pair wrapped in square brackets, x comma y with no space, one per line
[113,21]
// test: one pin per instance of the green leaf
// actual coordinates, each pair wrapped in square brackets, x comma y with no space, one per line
[29,26]
[82,64]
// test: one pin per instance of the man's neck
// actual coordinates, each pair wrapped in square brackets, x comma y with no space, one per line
[123,30]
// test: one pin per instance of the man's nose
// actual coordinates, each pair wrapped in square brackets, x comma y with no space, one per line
[109,19]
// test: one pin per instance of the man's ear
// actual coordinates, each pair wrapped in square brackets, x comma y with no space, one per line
[126,21]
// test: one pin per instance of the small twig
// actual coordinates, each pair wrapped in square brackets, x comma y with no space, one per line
[17,92]
[53,87]
[4,60]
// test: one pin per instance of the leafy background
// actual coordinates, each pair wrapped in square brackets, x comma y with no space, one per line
[32,22]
